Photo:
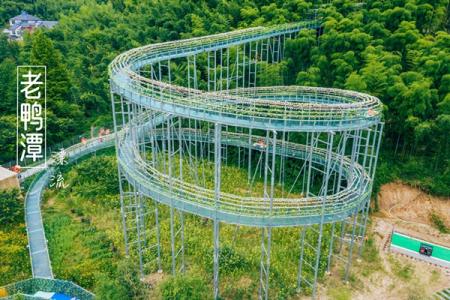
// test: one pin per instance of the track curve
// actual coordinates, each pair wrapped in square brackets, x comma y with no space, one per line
[37,242]
[236,209]
[275,108]
[279,108]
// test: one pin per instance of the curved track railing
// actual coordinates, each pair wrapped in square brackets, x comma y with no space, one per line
[342,110]
[241,209]
[278,108]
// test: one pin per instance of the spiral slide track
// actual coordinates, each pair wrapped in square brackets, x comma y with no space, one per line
[203,99]
[293,108]
[242,210]
[325,139]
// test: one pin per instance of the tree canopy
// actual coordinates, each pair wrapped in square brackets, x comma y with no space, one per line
[396,50]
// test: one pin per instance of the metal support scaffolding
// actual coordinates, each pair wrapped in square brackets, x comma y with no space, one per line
[217,169]
[185,112]
[266,232]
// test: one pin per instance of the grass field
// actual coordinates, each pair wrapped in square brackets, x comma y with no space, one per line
[83,227]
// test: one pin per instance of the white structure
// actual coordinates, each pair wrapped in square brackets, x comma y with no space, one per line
[25,22]
[8,179]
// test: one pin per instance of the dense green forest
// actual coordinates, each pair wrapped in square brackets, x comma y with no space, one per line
[396,50]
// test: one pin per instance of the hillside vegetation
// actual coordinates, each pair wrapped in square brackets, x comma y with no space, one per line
[14,257]
[83,226]
[396,50]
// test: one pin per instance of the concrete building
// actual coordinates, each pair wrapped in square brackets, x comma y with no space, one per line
[25,22]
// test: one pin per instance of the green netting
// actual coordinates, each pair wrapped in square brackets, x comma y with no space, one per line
[31,286]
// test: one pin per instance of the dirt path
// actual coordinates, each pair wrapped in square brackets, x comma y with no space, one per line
[409,210]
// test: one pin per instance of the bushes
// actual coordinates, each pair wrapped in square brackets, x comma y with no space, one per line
[231,262]
[11,208]
[417,171]
[185,287]
[14,257]
[87,256]
[108,288]
[437,221]
[87,183]
[421,172]
[83,229]
[79,252]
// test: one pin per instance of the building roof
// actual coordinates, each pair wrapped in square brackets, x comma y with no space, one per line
[14,27]
[48,24]
[24,16]
[5,173]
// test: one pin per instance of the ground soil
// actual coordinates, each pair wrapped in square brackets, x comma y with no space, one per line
[390,275]
[154,279]
[409,210]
